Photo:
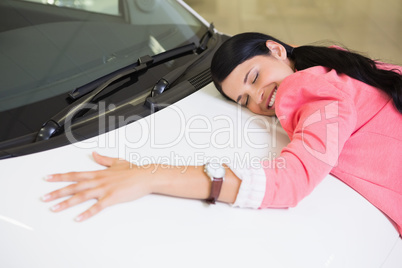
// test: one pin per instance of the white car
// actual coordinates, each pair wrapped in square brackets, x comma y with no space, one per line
[332,227]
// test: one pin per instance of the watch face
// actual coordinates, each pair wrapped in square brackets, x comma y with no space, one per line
[215,170]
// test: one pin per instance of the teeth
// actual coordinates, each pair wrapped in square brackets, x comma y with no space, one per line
[272,101]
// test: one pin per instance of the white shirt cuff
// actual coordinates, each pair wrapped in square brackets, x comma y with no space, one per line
[252,188]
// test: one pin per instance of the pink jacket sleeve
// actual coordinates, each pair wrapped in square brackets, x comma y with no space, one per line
[319,118]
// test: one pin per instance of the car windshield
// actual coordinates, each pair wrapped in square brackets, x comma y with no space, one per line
[50,47]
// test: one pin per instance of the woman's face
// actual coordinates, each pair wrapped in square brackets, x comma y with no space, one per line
[253,83]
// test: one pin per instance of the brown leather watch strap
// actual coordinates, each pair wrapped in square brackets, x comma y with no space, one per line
[216,187]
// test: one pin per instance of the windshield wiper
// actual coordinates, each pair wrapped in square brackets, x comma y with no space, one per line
[157,59]
[162,57]
[57,122]
[165,82]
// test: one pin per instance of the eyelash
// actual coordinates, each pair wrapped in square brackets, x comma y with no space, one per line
[255,79]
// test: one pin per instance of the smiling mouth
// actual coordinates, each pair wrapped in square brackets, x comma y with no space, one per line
[271,99]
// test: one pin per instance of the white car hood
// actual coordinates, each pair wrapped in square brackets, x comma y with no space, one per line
[332,227]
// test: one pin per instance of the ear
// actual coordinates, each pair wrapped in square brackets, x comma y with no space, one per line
[277,50]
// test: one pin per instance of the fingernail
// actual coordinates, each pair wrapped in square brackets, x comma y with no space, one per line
[79,218]
[48,177]
[55,207]
[45,197]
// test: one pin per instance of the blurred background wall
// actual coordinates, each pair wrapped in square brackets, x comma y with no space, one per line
[373,27]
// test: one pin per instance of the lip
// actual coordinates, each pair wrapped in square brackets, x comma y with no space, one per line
[269,99]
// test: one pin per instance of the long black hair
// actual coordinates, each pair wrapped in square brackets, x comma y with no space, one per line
[244,46]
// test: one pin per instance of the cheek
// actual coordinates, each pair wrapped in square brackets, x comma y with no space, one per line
[254,108]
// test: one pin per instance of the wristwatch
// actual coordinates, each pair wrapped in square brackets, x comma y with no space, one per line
[217,174]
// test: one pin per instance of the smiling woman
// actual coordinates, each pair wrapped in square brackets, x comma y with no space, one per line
[56,56]
[254,84]
[331,102]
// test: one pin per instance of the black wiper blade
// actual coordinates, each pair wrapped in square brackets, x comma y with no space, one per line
[162,57]
[157,59]
[57,122]
[165,82]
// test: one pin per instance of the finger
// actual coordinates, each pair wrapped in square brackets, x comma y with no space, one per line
[103,160]
[92,211]
[68,190]
[76,199]
[71,176]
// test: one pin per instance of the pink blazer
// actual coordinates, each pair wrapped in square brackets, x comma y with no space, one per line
[341,126]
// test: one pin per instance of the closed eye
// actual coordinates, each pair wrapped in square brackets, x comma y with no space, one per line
[255,79]
[246,102]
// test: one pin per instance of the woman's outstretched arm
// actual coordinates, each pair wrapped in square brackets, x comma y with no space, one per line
[122,181]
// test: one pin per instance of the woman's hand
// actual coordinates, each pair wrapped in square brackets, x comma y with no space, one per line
[120,182]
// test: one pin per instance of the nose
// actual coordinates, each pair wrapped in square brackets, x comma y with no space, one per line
[257,95]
